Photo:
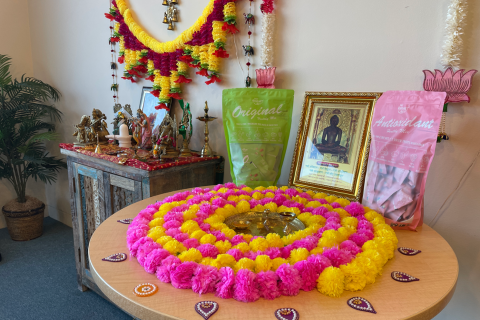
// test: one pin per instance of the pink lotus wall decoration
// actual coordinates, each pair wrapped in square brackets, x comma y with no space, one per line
[266,78]
[456,85]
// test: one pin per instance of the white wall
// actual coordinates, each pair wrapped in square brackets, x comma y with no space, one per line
[347,45]
[15,42]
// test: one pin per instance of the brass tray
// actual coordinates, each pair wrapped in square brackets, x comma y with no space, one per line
[262,223]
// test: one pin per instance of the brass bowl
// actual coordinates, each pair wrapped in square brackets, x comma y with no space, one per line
[263,223]
[287,216]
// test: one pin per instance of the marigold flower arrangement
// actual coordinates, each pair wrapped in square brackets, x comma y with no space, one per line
[166,63]
[184,241]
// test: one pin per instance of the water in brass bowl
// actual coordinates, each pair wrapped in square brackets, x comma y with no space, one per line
[263,223]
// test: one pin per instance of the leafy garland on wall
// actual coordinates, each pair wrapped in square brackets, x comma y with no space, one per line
[202,46]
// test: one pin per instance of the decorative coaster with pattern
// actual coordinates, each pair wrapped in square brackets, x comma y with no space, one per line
[125,221]
[403,277]
[206,308]
[117,257]
[361,304]
[287,314]
[145,289]
[408,251]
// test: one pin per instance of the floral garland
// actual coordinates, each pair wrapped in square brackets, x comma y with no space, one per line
[184,241]
[453,43]
[268,29]
[166,64]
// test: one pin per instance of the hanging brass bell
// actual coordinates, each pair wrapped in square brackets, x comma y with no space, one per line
[174,18]
[165,19]
[165,3]
[170,25]
[174,2]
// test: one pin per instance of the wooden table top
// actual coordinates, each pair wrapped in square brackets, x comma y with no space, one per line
[436,267]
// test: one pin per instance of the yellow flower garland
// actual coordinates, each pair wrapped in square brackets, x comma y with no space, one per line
[152,43]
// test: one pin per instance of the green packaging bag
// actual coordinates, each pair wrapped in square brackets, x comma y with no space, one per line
[257,126]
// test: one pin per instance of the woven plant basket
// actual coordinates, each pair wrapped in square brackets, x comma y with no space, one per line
[25,225]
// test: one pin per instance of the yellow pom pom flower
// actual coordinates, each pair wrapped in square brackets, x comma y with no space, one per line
[189,226]
[207,261]
[274,240]
[277,262]
[263,263]
[247,189]
[369,267]
[330,238]
[259,244]
[272,206]
[313,204]
[330,199]
[350,222]
[258,196]
[208,238]
[355,278]
[342,202]
[320,195]
[298,255]
[157,222]
[329,207]
[229,233]
[304,217]
[163,240]
[243,206]
[244,263]
[331,282]
[342,213]
[191,254]
[316,250]
[156,233]
[223,246]
[247,237]
[174,247]
[242,246]
[224,260]
[198,234]
[313,220]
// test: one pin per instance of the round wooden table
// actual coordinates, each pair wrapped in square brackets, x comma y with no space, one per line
[436,267]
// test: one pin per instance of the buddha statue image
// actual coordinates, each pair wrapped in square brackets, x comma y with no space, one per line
[331,138]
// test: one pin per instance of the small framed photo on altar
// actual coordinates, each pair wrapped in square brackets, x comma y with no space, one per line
[333,141]
[148,102]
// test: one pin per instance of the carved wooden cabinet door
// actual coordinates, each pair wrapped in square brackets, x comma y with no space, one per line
[120,192]
[90,211]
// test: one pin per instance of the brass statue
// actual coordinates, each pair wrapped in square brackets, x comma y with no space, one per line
[83,133]
[143,130]
[166,138]
[99,126]
[185,128]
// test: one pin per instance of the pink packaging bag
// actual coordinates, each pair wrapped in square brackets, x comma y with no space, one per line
[404,136]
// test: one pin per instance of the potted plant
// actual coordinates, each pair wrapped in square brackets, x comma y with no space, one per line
[25,115]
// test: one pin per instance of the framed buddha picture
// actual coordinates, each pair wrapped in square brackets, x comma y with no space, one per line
[333,140]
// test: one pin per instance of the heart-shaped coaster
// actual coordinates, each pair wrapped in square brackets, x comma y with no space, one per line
[403,277]
[361,304]
[125,221]
[408,251]
[145,289]
[117,257]
[287,314]
[206,308]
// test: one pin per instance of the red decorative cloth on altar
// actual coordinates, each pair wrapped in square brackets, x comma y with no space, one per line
[150,165]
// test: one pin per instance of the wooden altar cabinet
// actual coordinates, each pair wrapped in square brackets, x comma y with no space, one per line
[99,188]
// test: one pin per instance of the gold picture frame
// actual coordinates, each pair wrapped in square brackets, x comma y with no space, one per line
[337,164]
